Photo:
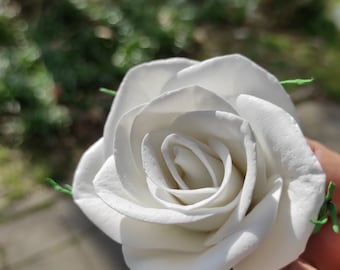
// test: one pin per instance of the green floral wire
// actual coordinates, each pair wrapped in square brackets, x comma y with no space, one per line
[108,91]
[284,82]
[66,189]
[297,81]
[328,209]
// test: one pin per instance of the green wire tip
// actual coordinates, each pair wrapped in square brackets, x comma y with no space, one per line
[334,216]
[297,81]
[330,191]
[66,189]
[108,91]
[328,209]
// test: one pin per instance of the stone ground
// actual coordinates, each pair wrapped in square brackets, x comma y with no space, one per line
[46,231]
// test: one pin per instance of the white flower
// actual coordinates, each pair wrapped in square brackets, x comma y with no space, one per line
[202,166]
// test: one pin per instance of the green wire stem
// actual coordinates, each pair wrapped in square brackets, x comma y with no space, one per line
[67,189]
[297,81]
[108,91]
[334,217]
[328,209]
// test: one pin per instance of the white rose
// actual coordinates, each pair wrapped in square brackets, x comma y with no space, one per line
[202,166]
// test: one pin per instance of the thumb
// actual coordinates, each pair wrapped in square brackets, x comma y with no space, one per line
[299,265]
[330,162]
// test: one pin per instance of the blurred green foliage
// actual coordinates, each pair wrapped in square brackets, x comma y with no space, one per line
[27,105]
[54,56]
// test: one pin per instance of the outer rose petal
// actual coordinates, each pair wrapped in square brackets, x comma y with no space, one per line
[222,256]
[144,235]
[107,219]
[303,189]
[231,75]
[140,85]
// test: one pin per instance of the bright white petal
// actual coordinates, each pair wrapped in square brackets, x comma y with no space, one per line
[303,188]
[236,135]
[224,255]
[108,179]
[231,75]
[114,194]
[110,189]
[140,85]
[144,235]
[161,112]
[136,210]
[153,162]
[195,163]
[107,219]
[232,180]
[131,176]
[224,126]
[211,199]
[157,115]
[160,181]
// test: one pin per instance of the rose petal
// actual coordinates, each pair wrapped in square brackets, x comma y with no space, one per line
[144,235]
[141,84]
[157,115]
[198,165]
[161,112]
[232,180]
[235,134]
[232,75]
[225,127]
[124,205]
[275,128]
[160,181]
[131,176]
[197,200]
[222,256]
[113,193]
[107,219]
[153,161]
[288,153]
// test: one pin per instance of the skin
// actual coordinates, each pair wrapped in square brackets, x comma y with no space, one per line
[323,249]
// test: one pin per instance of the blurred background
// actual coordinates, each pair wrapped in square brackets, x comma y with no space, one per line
[56,54]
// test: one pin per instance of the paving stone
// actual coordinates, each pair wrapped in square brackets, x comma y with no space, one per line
[72,217]
[66,258]
[321,121]
[104,253]
[41,197]
[27,242]
[32,234]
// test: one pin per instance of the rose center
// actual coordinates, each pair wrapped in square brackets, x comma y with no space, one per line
[193,172]
[191,163]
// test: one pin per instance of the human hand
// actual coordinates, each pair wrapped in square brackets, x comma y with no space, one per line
[323,248]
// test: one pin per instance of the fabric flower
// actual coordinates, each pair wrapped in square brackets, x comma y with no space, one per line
[202,165]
